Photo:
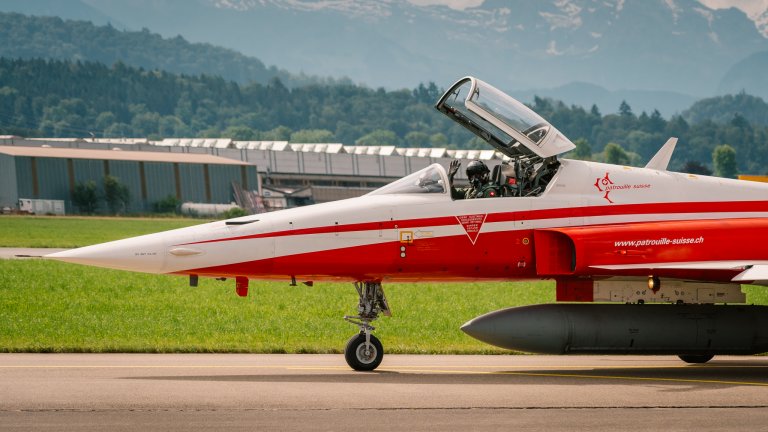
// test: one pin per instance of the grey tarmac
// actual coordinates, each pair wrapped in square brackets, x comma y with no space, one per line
[319,392]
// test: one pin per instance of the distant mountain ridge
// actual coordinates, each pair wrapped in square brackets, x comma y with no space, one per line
[673,45]
[670,52]
[749,75]
[24,36]
[585,95]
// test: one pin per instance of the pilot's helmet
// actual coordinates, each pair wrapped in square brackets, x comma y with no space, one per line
[477,168]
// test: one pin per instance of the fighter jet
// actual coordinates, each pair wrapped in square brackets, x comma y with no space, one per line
[645,261]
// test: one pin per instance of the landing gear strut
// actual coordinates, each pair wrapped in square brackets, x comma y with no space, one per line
[364,351]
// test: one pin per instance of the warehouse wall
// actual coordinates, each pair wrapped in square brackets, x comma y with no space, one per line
[221,178]
[8,186]
[24,177]
[192,182]
[87,169]
[128,173]
[160,181]
[54,178]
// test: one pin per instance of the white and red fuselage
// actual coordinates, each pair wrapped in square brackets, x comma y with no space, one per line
[593,219]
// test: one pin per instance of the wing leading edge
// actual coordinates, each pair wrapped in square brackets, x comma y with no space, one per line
[752,271]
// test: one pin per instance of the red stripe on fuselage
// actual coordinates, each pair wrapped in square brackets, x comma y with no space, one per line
[524,215]
[504,255]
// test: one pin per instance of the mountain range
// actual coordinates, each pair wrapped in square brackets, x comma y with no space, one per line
[654,53]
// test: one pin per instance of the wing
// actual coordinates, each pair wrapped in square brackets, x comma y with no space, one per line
[752,271]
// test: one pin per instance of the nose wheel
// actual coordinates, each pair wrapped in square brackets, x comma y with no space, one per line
[363,355]
[364,352]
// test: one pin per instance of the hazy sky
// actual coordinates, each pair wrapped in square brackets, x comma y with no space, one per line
[751,7]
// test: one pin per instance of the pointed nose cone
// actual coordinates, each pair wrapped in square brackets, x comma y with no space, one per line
[141,254]
[483,329]
[538,329]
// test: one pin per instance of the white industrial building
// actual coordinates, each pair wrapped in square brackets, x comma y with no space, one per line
[330,171]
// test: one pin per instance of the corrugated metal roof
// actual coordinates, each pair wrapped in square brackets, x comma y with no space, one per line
[472,154]
[371,150]
[262,145]
[318,147]
[433,152]
[142,156]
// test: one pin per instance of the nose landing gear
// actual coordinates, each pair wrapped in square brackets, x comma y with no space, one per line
[364,352]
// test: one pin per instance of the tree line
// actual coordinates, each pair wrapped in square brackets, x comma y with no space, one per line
[84,99]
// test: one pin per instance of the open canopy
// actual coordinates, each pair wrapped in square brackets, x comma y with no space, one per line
[511,127]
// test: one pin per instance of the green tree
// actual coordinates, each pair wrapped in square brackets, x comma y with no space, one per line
[240,133]
[118,130]
[105,120]
[438,140]
[145,123]
[615,154]
[416,139]
[724,160]
[169,204]
[116,195]
[312,136]
[85,197]
[625,110]
[583,150]
[172,126]
[696,167]
[379,137]
[280,133]
[234,212]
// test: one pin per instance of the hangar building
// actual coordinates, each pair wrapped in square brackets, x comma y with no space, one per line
[201,170]
[52,173]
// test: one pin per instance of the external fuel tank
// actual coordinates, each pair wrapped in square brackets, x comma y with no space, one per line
[625,329]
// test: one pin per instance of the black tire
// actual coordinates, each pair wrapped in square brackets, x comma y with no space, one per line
[354,353]
[696,358]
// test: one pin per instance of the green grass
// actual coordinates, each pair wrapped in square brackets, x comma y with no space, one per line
[70,232]
[57,307]
[50,306]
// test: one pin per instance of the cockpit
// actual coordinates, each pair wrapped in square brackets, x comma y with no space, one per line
[430,180]
[530,142]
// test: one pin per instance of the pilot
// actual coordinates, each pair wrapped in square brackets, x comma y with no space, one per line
[479,184]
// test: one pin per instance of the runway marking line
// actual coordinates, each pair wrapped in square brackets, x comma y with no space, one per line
[142,367]
[440,370]
[557,375]
[412,368]
[563,375]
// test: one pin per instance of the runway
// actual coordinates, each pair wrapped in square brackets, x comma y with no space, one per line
[319,392]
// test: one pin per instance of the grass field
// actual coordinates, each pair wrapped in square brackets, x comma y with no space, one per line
[48,306]
[57,307]
[70,232]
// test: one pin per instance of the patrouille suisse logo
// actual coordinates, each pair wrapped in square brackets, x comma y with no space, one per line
[472,225]
[605,185]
